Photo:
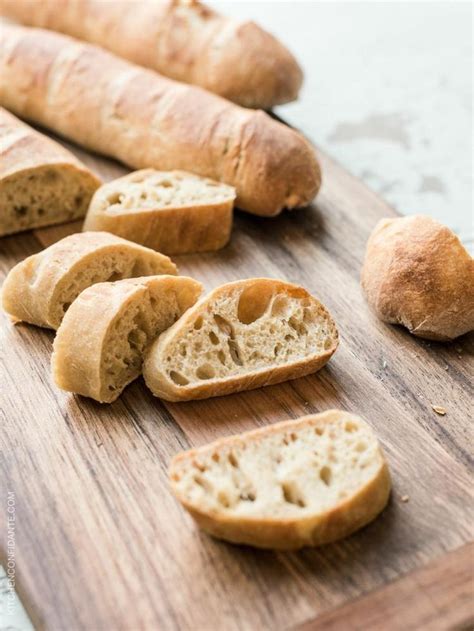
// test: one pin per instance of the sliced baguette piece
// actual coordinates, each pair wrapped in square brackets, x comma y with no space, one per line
[40,289]
[174,212]
[243,335]
[293,484]
[99,347]
[41,183]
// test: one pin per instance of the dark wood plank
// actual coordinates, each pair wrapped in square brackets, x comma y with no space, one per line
[438,597]
[101,543]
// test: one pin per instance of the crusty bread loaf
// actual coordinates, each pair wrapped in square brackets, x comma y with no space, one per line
[41,183]
[184,40]
[135,115]
[40,289]
[174,212]
[99,347]
[418,274]
[298,483]
[243,335]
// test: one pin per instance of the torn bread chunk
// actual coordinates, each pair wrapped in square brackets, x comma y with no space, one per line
[293,484]
[174,212]
[99,347]
[243,335]
[40,289]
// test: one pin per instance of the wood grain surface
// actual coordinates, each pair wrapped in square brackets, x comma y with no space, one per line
[101,544]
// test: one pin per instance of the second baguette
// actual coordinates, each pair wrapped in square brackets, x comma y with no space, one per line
[145,120]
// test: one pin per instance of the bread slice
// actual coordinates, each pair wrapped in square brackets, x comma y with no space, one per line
[243,335]
[299,483]
[41,183]
[174,212]
[99,347]
[40,289]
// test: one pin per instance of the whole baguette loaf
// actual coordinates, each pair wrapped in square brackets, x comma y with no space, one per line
[298,483]
[99,347]
[243,335]
[135,115]
[174,212]
[40,289]
[41,183]
[183,40]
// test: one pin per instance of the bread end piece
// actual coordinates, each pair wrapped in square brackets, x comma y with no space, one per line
[417,273]
[249,66]
[298,483]
[271,152]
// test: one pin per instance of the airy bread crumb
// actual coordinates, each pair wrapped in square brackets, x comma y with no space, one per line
[296,483]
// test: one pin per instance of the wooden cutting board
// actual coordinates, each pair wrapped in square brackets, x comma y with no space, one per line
[101,544]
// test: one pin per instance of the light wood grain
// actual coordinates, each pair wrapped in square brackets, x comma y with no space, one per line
[437,597]
[102,544]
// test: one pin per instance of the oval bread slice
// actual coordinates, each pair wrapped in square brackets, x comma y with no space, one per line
[298,483]
[40,289]
[174,212]
[99,347]
[243,335]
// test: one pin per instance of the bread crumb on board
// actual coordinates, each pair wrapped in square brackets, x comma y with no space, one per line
[405,498]
[439,409]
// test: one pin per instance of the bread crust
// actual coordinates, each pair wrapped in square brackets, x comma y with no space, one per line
[80,343]
[417,273]
[30,291]
[144,120]
[235,59]
[24,154]
[162,386]
[171,230]
[346,517]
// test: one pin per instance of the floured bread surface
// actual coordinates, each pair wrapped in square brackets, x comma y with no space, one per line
[40,289]
[41,183]
[297,483]
[99,347]
[174,212]
[243,335]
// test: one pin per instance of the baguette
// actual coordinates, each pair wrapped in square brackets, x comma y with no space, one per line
[40,289]
[243,335]
[145,120]
[418,274]
[173,212]
[298,483]
[186,41]
[41,183]
[99,347]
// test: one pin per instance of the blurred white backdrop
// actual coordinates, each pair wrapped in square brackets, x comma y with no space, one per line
[387,93]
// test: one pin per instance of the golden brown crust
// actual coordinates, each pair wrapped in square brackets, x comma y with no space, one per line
[418,274]
[162,386]
[31,290]
[26,154]
[171,230]
[185,41]
[349,515]
[145,120]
